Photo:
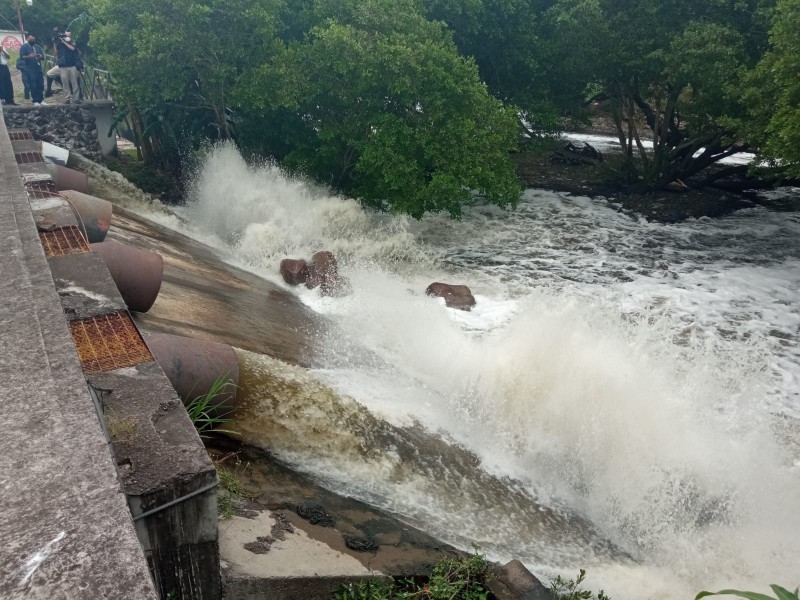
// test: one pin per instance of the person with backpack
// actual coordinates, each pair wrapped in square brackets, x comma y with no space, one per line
[6,87]
[32,55]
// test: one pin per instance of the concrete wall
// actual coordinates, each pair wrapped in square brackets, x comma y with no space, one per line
[103,112]
[61,491]
[65,527]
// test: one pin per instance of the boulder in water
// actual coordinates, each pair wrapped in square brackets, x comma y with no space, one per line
[324,272]
[294,271]
[455,296]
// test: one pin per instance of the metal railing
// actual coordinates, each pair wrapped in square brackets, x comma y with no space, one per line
[95,83]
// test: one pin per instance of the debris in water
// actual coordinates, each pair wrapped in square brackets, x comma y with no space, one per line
[315,514]
[360,544]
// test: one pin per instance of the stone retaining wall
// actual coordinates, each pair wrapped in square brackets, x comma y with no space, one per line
[71,126]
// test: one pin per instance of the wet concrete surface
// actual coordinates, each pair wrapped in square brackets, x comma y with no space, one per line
[397,549]
[205,298]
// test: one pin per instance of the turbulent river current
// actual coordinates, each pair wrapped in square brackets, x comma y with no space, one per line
[623,398]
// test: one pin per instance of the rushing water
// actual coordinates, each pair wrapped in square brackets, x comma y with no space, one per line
[624,396]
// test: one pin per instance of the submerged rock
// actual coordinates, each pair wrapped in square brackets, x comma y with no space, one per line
[294,271]
[455,296]
[324,272]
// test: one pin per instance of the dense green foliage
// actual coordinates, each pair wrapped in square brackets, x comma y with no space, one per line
[369,97]
[43,15]
[681,67]
[415,105]
[775,96]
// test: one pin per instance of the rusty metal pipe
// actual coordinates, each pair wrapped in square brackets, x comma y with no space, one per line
[193,365]
[94,213]
[69,179]
[136,272]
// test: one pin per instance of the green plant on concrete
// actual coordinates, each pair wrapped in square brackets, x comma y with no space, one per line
[210,410]
[562,589]
[780,594]
[451,579]
[230,492]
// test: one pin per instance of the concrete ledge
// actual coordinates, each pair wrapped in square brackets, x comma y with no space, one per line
[168,477]
[49,213]
[165,472]
[84,286]
[66,529]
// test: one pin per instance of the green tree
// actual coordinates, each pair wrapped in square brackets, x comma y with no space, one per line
[383,107]
[684,66]
[176,63]
[774,97]
[517,57]
[369,97]
[43,15]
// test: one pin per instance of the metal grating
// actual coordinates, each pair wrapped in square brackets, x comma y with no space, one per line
[43,185]
[108,342]
[24,158]
[63,241]
[41,195]
[19,134]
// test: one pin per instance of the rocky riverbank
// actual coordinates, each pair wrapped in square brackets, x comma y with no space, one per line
[543,170]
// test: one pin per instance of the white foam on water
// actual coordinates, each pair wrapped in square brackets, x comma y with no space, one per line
[607,143]
[643,376]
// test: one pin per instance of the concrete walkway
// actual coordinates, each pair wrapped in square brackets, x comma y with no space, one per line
[65,527]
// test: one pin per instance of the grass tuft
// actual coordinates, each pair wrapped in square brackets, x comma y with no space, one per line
[210,410]
[230,492]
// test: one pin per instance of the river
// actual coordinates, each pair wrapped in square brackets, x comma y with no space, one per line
[624,397]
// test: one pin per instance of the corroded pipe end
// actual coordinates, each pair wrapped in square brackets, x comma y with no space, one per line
[137,273]
[69,179]
[94,213]
[193,365]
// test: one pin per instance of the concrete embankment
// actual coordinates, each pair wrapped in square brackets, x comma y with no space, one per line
[107,487]
[65,526]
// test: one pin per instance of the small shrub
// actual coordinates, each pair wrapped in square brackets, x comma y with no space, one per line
[562,589]
[451,579]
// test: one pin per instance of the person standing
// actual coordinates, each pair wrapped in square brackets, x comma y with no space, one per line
[32,56]
[67,61]
[6,87]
